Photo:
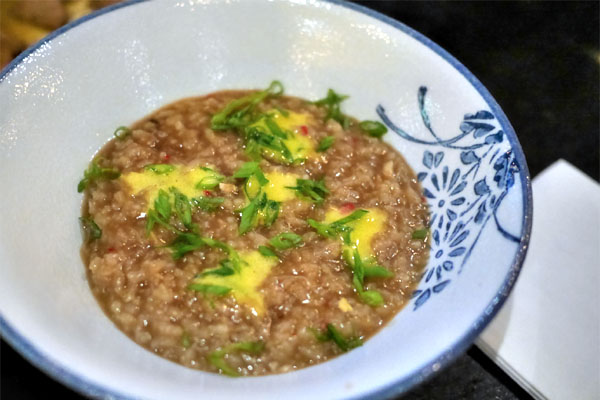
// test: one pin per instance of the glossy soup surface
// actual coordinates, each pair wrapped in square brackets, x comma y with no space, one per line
[236,275]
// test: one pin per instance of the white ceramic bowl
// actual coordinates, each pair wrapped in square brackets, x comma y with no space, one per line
[61,99]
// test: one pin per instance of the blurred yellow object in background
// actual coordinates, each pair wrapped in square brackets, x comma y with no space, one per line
[77,9]
[24,22]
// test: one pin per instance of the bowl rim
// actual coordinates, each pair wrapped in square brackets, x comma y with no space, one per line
[87,387]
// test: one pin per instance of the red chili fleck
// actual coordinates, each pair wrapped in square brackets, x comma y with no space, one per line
[167,157]
[111,249]
[207,193]
[304,130]
[354,140]
[347,207]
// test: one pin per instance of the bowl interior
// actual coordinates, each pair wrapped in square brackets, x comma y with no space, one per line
[62,101]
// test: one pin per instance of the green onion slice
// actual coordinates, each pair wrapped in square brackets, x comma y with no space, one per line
[325,143]
[91,230]
[286,240]
[373,128]
[420,233]
[122,132]
[313,190]
[160,169]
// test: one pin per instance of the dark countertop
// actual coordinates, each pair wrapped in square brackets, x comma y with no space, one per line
[540,61]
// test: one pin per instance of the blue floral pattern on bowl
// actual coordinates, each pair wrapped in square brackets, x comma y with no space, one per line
[462,200]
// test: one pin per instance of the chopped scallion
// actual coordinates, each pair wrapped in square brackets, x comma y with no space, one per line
[183,207]
[211,181]
[325,143]
[185,340]
[122,132]
[377,271]
[271,212]
[258,142]
[94,173]
[234,261]
[160,169]
[249,169]
[332,103]
[162,205]
[152,217]
[91,230]
[286,240]
[373,128]
[217,357]
[274,128]
[240,112]
[207,203]
[185,243]
[420,233]
[341,341]
[225,269]
[359,271]
[331,333]
[210,289]
[249,214]
[371,297]
[267,252]
[337,228]
[356,215]
[314,190]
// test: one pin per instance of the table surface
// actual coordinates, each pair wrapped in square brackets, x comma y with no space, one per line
[540,61]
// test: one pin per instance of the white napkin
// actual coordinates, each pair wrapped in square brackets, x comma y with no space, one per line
[547,335]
